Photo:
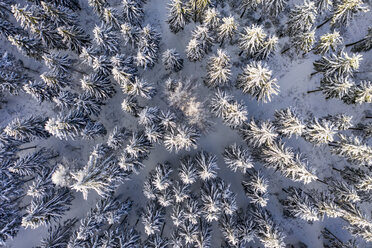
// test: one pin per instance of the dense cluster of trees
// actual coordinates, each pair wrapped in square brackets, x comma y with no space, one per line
[79,71]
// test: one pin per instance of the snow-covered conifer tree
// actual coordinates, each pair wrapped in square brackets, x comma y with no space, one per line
[31,163]
[229,227]
[267,48]
[319,132]
[219,70]
[252,39]
[67,125]
[256,187]
[274,7]
[28,17]
[98,6]
[237,158]
[300,205]
[276,155]
[74,37]
[197,8]
[51,207]
[101,173]
[181,191]
[267,231]
[192,210]
[301,18]
[187,170]
[130,105]
[288,123]
[341,64]
[336,86]
[361,93]
[353,149]
[58,235]
[182,137]
[232,112]
[327,42]
[211,18]
[132,12]
[129,33]
[204,38]
[153,218]
[27,129]
[258,136]
[304,41]
[160,177]
[341,121]
[204,234]
[27,45]
[256,80]
[345,10]
[39,90]
[178,16]
[194,50]
[188,232]
[106,38]
[97,86]
[172,60]
[207,165]
[211,201]
[227,29]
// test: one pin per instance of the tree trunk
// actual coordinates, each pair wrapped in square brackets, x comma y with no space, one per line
[31,70]
[27,148]
[285,50]
[312,91]
[162,229]
[240,54]
[321,181]
[320,25]
[314,73]
[241,16]
[223,39]
[354,43]
[368,117]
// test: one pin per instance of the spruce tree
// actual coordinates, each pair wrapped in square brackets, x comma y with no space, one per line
[353,149]
[227,29]
[211,201]
[58,235]
[327,42]
[27,129]
[106,38]
[153,218]
[132,12]
[211,18]
[101,173]
[55,80]
[178,16]
[27,45]
[362,93]
[187,170]
[304,41]
[233,113]
[74,37]
[256,80]
[258,136]
[237,158]
[336,87]
[194,50]
[288,123]
[255,188]
[69,125]
[172,60]
[252,39]
[319,132]
[341,64]
[274,7]
[301,18]
[129,33]
[218,69]
[182,137]
[51,207]
[300,205]
[345,11]
[207,165]
[97,86]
